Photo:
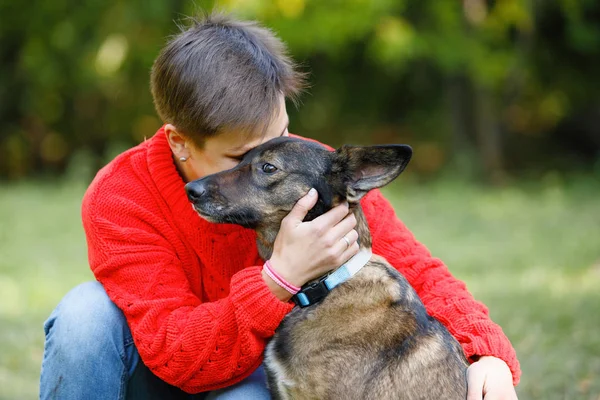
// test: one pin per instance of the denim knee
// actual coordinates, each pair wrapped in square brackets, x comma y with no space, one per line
[86,325]
[253,387]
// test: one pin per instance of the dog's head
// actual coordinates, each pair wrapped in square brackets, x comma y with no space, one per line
[272,177]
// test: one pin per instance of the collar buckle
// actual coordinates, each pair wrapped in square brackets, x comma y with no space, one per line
[312,293]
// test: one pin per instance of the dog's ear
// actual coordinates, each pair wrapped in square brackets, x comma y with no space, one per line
[366,168]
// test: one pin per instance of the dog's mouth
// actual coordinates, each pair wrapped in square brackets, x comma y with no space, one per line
[210,211]
[220,214]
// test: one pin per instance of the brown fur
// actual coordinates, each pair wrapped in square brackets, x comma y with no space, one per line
[371,337]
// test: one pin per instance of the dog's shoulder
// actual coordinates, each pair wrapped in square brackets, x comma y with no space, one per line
[379,276]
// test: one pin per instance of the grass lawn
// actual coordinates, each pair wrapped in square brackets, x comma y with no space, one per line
[531,253]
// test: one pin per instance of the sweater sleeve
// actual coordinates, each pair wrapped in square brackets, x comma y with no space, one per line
[445,297]
[189,344]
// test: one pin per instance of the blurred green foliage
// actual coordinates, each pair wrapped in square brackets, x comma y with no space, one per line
[491,87]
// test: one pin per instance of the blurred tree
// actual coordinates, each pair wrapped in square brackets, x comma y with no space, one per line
[493,87]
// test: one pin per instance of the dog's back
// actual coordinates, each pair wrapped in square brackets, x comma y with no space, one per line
[370,338]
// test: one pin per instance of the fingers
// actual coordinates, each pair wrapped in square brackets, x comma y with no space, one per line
[302,207]
[343,250]
[343,227]
[349,251]
[321,240]
[331,217]
[342,237]
[475,381]
[351,238]
[501,395]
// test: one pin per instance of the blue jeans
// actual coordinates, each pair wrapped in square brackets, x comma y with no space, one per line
[89,354]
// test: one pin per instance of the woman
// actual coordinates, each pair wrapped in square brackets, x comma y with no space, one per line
[182,307]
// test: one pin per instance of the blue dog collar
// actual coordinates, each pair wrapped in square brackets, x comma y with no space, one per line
[316,291]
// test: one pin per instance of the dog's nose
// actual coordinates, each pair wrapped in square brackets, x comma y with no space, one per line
[195,190]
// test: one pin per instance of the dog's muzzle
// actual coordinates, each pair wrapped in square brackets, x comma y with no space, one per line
[196,190]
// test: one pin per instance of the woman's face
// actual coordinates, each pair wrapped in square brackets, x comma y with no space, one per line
[223,151]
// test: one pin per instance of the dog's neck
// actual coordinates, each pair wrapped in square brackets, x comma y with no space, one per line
[265,236]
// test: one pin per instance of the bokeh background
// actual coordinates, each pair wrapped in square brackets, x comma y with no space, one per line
[499,99]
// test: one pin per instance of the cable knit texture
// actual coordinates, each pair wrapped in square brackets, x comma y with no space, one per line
[192,291]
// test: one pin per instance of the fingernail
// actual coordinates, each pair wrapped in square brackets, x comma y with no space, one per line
[312,192]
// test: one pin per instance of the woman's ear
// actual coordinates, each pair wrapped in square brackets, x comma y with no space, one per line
[177,142]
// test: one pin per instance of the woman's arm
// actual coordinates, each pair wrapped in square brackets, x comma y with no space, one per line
[193,345]
[445,297]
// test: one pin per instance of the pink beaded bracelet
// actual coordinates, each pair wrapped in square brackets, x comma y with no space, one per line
[279,280]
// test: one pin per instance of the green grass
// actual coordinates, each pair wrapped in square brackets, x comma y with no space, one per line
[531,253]
[42,255]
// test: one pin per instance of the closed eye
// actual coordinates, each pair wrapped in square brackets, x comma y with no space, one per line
[237,157]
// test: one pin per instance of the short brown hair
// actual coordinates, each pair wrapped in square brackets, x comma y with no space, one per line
[222,74]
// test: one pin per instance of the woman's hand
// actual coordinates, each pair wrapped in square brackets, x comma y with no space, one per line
[490,379]
[304,251]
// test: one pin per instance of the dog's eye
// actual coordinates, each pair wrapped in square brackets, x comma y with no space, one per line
[269,168]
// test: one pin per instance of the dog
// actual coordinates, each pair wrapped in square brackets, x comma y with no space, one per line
[368,338]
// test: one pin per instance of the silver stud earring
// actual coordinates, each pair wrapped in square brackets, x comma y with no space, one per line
[183,159]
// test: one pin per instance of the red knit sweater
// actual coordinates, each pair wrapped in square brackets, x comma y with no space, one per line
[192,291]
